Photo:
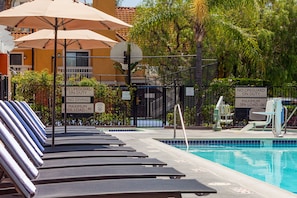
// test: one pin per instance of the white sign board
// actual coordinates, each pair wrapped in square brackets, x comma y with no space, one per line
[99,107]
[250,92]
[79,108]
[190,91]
[126,95]
[78,91]
[78,99]
[250,102]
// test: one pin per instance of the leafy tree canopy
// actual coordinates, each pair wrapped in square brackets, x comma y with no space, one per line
[258,41]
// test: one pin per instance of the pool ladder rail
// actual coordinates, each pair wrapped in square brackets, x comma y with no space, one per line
[177,107]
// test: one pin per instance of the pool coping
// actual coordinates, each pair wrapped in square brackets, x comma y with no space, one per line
[261,142]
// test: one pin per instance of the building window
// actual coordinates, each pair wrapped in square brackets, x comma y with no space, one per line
[16,59]
[77,59]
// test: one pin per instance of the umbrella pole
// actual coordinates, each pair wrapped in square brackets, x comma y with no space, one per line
[65,89]
[54,88]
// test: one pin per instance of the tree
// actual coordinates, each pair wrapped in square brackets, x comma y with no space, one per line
[280,52]
[119,2]
[167,27]
[200,13]
[162,28]
[233,36]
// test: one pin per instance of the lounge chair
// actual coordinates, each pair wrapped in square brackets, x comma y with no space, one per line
[98,153]
[60,131]
[67,162]
[142,173]
[9,113]
[90,170]
[83,141]
[22,114]
[12,116]
[87,161]
[40,132]
[269,113]
[18,154]
[28,145]
[32,113]
[100,161]
[104,172]
[59,175]
[20,132]
[68,148]
[142,187]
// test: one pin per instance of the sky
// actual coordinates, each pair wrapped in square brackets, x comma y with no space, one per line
[131,3]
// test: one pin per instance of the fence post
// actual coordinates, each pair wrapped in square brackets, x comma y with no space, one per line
[3,87]
[164,106]
[134,107]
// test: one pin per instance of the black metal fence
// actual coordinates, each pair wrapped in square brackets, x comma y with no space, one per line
[152,106]
[3,87]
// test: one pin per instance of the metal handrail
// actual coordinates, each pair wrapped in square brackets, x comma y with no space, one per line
[177,106]
[219,102]
[217,115]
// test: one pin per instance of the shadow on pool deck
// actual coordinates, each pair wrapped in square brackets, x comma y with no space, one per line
[227,182]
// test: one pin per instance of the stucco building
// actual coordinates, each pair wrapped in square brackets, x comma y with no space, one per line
[84,63]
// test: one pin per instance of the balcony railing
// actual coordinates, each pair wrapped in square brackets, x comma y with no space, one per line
[20,68]
[80,71]
[71,71]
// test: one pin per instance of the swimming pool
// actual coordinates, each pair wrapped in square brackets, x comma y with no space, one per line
[271,160]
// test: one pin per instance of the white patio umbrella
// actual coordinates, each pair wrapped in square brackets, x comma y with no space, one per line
[58,14]
[75,39]
[67,39]
[63,14]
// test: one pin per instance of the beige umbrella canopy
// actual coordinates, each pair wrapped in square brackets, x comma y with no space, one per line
[58,14]
[70,14]
[72,39]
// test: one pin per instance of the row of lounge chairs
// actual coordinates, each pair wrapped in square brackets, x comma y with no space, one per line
[84,162]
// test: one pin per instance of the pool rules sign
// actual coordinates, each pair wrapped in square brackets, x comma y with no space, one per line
[79,100]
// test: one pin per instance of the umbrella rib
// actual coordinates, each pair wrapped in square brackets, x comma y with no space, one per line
[80,47]
[41,18]
[71,41]
[63,23]
[16,25]
[106,44]
[61,43]
[105,25]
[44,46]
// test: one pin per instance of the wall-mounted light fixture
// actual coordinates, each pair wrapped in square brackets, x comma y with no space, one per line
[24,57]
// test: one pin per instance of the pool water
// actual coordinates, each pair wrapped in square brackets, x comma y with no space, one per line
[272,163]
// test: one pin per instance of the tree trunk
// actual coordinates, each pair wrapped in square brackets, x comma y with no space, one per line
[198,78]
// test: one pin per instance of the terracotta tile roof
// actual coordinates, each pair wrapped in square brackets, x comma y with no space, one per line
[126,14]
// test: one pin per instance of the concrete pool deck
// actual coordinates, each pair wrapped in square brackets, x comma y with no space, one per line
[227,182]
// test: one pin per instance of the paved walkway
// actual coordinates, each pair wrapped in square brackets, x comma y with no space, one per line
[227,182]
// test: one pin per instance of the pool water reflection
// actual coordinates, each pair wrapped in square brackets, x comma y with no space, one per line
[274,165]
